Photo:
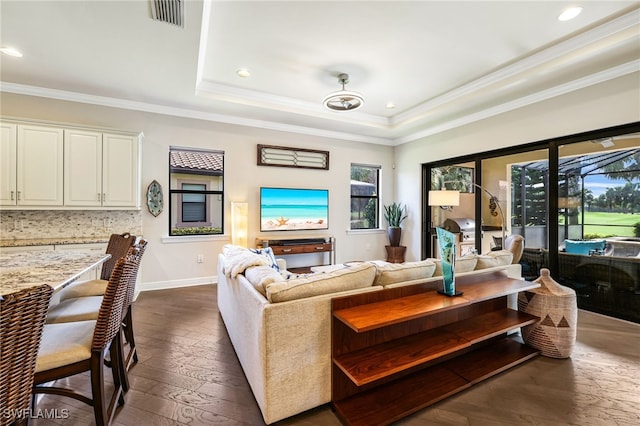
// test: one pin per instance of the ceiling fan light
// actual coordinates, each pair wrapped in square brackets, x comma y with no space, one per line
[343,100]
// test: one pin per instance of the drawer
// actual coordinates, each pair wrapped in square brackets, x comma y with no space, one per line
[302,248]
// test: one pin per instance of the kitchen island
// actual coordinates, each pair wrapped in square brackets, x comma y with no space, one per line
[58,269]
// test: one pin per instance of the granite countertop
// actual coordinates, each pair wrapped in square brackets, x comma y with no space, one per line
[55,268]
[14,242]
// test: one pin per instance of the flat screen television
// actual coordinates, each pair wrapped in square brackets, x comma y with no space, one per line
[293,209]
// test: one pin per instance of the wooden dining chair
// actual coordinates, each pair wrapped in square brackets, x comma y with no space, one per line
[117,247]
[21,323]
[71,348]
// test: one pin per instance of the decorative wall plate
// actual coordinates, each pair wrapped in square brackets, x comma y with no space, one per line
[155,201]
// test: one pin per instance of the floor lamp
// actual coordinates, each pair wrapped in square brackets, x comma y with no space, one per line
[494,200]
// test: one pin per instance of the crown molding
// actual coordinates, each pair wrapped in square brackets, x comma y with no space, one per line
[527,64]
[600,77]
[184,112]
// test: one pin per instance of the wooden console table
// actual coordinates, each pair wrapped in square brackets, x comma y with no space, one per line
[288,246]
[399,350]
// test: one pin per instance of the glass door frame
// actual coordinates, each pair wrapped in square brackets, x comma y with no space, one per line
[552,146]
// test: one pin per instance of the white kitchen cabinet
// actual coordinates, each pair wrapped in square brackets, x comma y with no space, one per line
[39,166]
[101,169]
[8,145]
[83,168]
[32,164]
[120,170]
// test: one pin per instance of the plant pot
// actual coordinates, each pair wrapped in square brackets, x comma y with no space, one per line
[394,236]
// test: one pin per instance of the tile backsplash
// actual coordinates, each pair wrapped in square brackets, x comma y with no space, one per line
[34,224]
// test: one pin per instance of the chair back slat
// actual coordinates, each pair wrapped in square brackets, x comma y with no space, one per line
[117,247]
[131,291]
[22,317]
[110,315]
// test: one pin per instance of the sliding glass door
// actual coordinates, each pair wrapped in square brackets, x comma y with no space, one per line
[577,191]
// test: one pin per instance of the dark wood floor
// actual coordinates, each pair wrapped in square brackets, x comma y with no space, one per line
[188,374]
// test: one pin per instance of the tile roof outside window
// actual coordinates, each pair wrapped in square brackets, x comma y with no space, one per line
[196,162]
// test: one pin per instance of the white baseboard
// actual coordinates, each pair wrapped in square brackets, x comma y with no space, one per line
[163,285]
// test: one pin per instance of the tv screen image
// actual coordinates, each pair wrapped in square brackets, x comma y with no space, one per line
[292,209]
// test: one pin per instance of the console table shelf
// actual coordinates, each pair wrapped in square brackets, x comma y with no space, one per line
[399,350]
[385,359]
[399,398]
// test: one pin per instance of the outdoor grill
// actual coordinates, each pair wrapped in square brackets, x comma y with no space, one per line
[463,226]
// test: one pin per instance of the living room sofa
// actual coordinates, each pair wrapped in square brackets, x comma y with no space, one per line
[280,323]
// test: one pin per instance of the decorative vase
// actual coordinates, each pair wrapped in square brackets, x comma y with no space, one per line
[446,242]
[394,236]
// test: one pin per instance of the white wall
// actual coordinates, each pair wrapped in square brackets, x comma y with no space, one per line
[604,105]
[168,264]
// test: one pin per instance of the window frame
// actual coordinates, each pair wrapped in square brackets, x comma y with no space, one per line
[377,169]
[197,177]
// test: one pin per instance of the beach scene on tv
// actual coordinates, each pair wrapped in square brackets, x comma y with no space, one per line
[286,209]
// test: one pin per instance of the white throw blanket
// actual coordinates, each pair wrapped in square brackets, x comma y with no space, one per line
[237,259]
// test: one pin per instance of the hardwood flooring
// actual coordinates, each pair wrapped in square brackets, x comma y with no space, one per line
[188,374]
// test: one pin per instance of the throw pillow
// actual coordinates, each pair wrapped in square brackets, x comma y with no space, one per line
[268,253]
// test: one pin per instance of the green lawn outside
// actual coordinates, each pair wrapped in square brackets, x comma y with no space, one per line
[603,224]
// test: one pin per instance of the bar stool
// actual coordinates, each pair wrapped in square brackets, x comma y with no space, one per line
[22,317]
[87,308]
[117,247]
[72,348]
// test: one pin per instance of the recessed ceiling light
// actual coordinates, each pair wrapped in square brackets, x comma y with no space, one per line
[390,105]
[569,13]
[11,51]
[243,72]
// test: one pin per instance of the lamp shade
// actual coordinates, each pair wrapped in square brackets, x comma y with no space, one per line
[444,198]
[239,223]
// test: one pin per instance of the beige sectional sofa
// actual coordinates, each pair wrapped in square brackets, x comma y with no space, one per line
[280,323]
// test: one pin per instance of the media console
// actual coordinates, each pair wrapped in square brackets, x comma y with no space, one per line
[302,245]
[398,350]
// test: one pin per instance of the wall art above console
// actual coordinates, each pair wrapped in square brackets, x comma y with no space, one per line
[282,156]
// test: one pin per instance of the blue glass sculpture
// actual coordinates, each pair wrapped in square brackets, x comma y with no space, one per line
[447,244]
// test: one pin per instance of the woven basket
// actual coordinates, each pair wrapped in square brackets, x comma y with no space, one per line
[555,334]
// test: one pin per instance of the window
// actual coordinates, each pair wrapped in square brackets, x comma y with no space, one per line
[365,205]
[196,196]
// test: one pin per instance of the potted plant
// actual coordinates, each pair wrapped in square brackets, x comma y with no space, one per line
[395,214]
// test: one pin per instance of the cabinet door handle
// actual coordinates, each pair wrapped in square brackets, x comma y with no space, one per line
[286,250]
[320,248]
[104,197]
[11,195]
[18,198]
[98,196]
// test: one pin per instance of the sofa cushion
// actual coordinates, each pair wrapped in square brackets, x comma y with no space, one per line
[268,253]
[465,263]
[391,273]
[494,258]
[261,276]
[358,276]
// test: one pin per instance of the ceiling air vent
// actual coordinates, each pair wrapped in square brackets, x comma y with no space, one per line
[170,11]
